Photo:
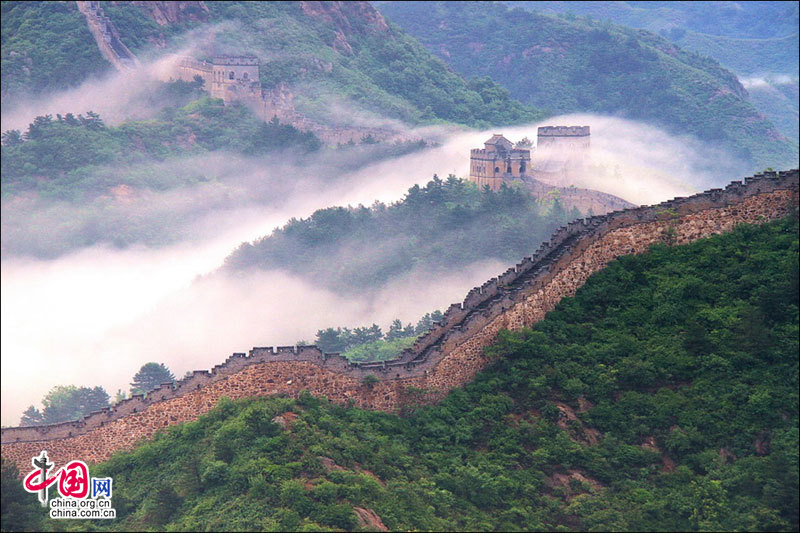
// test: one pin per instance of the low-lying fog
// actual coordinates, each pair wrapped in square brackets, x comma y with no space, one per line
[96,315]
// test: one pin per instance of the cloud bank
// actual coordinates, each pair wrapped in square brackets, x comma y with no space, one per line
[95,315]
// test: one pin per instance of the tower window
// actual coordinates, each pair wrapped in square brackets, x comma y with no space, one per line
[230,75]
[245,76]
[496,170]
[522,168]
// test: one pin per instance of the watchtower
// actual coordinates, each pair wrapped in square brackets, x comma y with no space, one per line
[499,160]
[567,138]
[561,153]
[234,77]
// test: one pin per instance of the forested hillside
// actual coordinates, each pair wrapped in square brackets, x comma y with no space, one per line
[443,226]
[59,156]
[756,40]
[98,173]
[46,46]
[321,51]
[575,64]
[746,37]
[663,396]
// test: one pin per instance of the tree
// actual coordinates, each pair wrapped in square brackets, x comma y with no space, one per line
[365,335]
[150,377]
[395,330]
[31,417]
[119,396]
[330,340]
[19,510]
[12,138]
[64,403]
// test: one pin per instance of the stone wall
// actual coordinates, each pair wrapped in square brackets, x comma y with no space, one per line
[448,356]
[107,37]
[278,101]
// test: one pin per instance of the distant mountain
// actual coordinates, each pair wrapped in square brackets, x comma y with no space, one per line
[747,37]
[757,40]
[330,55]
[571,64]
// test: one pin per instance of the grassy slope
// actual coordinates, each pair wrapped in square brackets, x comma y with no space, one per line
[686,356]
[581,65]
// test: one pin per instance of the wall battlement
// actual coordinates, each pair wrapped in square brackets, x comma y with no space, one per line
[236,60]
[450,353]
[563,131]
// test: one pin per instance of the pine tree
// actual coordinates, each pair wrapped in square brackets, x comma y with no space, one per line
[149,377]
[31,417]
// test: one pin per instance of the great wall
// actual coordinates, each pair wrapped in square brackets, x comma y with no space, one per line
[446,357]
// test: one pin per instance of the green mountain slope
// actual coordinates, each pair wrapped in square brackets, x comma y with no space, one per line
[754,39]
[321,51]
[46,46]
[747,37]
[663,396]
[577,65]
[442,227]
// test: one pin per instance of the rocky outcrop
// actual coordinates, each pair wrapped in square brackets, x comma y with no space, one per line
[346,19]
[585,200]
[448,356]
[166,13]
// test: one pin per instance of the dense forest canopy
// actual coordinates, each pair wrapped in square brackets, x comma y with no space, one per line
[443,226]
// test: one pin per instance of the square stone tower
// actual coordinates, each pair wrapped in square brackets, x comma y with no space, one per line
[233,77]
[499,161]
[561,153]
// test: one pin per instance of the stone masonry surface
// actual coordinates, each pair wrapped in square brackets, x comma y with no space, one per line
[448,356]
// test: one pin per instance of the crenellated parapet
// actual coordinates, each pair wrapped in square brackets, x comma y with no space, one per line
[563,131]
[451,352]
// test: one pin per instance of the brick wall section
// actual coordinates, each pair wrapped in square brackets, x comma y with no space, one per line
[448,356]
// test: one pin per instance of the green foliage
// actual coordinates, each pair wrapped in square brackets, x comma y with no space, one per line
[273,136]
[427,229]
[381,350]
[65,157]
[370,380]
[370,344]
[387,72]
[750,38]
[20,510]
[46,46]
[65,403]
[580,65]
[150,377]
[689,435]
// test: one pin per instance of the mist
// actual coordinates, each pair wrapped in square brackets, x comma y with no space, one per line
[94,315]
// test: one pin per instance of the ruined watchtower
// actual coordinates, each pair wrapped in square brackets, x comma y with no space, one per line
[232,78]
[499,160]
[561,154]
[566,138]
